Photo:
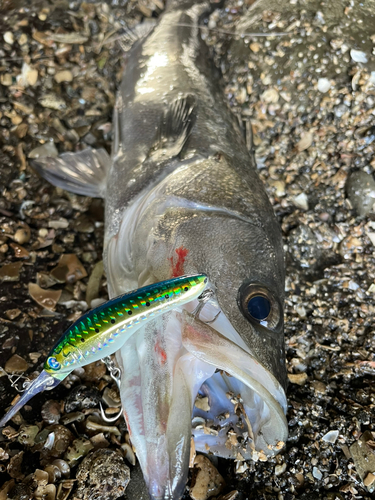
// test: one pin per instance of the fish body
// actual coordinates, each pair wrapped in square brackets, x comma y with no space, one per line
[182,195]
[103,330]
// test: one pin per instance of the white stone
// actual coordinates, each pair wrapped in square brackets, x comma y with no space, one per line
[317,474]
[358,56]
[301,201]
[280,469]
[8,37]
[330,437]
[324,85]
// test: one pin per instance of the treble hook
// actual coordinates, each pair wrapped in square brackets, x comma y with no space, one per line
[203,299]
[115,373]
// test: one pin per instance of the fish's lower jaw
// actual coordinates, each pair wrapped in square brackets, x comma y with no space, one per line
[233,421]
[240,410]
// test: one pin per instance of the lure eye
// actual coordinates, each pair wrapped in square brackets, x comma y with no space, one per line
[53,363]
[259,305]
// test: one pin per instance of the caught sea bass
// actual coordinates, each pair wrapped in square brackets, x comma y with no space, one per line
[183,197]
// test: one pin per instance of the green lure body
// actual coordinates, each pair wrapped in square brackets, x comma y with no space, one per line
[104,330]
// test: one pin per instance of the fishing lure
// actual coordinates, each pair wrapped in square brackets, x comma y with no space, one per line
[103,330]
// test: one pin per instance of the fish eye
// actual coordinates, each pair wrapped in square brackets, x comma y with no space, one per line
[259,305]
[53,363]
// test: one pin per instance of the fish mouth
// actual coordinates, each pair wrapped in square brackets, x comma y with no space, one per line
[240,410]
[171,360]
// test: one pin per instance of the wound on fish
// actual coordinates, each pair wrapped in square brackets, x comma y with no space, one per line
[161,352]
[179,261]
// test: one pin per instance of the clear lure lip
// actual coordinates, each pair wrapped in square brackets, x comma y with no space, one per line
[43,382]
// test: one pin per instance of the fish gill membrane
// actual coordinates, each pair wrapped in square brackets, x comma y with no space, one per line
[103,330]
[165,366]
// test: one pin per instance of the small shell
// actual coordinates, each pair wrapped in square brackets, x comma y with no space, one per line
[128,453]
[111,397]
[79,449]
[76,416]
[82,397]
[51,411]
[63,466]
[54,473]
[28,434]
[63,438]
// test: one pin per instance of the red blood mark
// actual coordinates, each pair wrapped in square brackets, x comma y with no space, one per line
[162,354]
[127,422]
[177,261]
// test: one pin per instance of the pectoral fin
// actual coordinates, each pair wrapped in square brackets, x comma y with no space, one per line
[82,173]
[174,129]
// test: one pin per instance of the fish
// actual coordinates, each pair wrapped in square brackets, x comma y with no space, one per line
[103,330]
[182,196]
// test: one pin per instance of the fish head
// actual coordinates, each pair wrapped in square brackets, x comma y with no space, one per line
[248,280]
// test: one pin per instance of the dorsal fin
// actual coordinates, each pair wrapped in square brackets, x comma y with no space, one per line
[174,129]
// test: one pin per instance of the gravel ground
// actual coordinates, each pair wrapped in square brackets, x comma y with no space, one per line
[310,95]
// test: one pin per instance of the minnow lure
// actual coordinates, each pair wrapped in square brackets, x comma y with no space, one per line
[102,331]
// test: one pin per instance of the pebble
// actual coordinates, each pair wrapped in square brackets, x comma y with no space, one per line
[102,474]
[68,38]
[22,39]
[369,479]
[360,190]
[58,224]
[13,313]
[6,79]
[270,96]
[364,458]
[64,76]
[8,37]
[45,298]
[301,201]
[69,269]
[28,76]
[19,251]
[78,449]
[10,272]
[255,47]
[358,56]
[202,403]
[298,378]
[208,481]
[52,101]
[330,437]
[317,474]
[305,142]
[280,469]
[51,412]
[16,364]
[82,397]
[324,85]
[47,149]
